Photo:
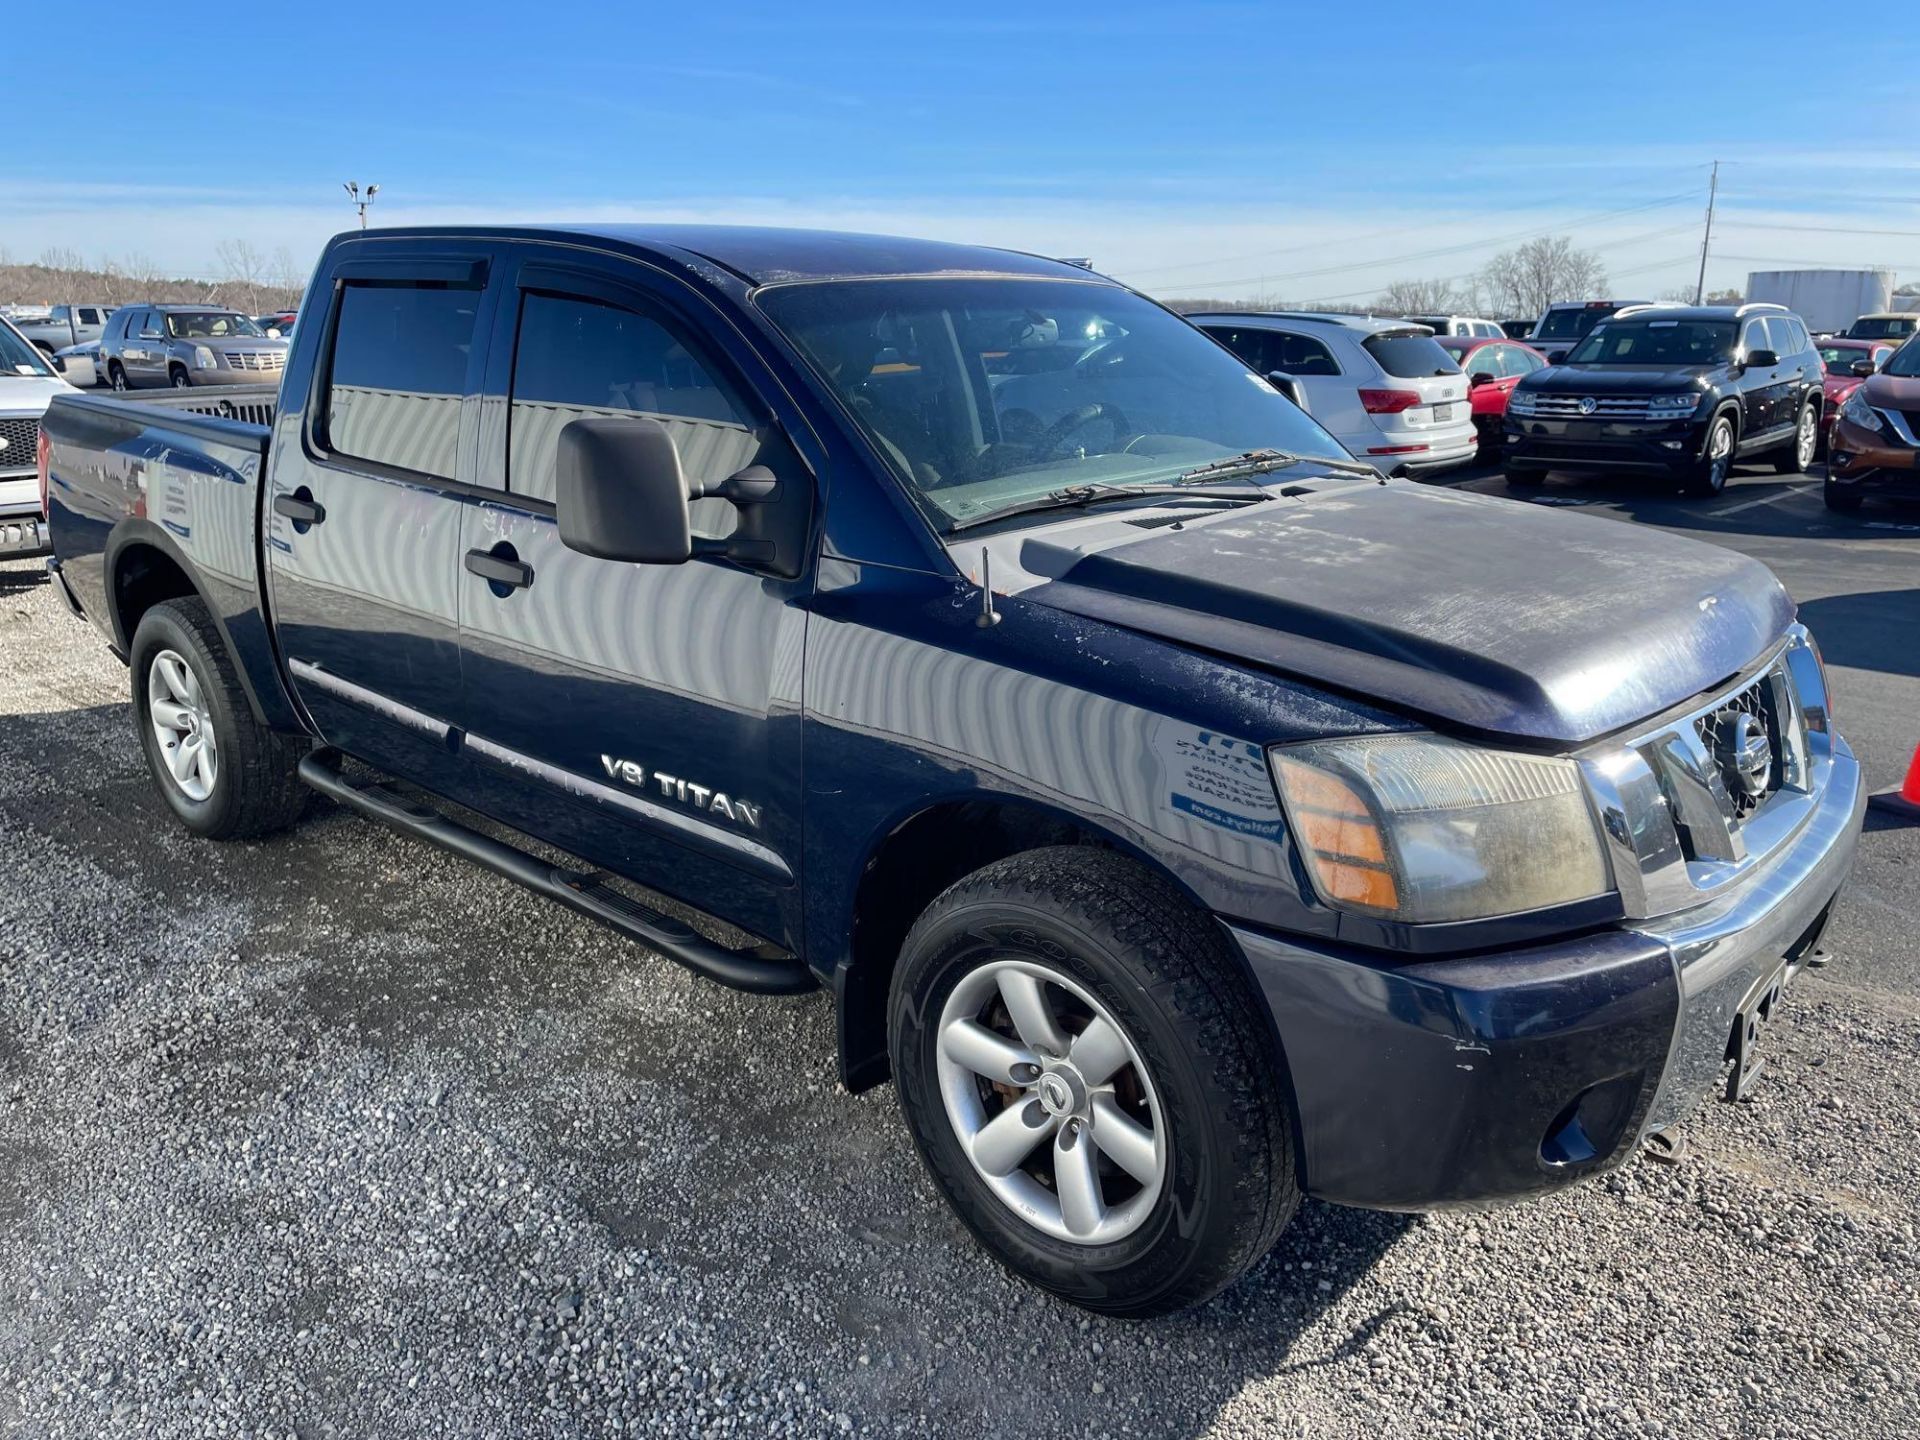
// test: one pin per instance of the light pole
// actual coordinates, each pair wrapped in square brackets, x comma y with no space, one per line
[360,200]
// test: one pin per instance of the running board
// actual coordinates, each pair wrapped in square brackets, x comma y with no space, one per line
[765,970]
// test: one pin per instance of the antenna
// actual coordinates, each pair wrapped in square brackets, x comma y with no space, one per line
[988,616]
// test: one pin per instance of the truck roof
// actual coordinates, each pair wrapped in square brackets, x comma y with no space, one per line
[769,255]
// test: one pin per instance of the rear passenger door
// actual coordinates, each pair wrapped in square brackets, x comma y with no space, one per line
[373,448]
[645,717]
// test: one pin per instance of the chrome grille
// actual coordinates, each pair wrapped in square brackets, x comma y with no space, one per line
[1693,802]
[256,359]
[1605,407]
[22,434]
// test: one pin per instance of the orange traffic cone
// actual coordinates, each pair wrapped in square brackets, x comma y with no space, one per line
[1906,800]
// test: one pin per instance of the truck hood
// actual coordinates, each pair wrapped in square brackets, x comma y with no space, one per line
[1492,615]
[1615,379]
[29,394]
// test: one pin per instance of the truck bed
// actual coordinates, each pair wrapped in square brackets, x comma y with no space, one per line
[179,473]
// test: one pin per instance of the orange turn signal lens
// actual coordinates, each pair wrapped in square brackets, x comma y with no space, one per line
[1337,834]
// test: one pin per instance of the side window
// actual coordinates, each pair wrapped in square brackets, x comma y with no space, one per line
[1258,349]
[1523,360]
[577,358]
[1780,331]
[1754,337]
[89,316]
[398,374]
[1304,355]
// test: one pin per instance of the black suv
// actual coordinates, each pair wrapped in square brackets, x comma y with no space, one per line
[1684,389]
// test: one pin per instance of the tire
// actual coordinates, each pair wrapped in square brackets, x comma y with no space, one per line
[178,377]
[1525,477]
[1847,502]
[116,376]
[1800,451]
[244,784]
[1212,1185]
[1709,474]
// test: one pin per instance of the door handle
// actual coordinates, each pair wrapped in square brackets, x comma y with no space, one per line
[496,569]
[300,507]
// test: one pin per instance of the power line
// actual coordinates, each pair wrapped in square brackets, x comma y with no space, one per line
[1567,199]
[1815,229]
[1442,250]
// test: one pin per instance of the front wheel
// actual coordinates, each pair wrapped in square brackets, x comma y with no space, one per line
[1795,459]
[1709,474]
[221,771]
[179,378]
[1846,502]
[1089,1082]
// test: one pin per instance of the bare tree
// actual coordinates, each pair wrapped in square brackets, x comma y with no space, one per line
[243,267]
[1422,297]
[1525,281]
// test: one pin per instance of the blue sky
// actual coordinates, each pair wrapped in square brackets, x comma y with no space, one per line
[1315,151]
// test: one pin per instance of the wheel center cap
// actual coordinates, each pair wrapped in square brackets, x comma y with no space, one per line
[1058,1094]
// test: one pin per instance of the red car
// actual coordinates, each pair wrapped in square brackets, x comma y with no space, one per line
[1838,355]
[1493,368]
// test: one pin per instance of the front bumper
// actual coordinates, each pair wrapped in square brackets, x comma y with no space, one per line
[1870,464]
[1668,445]
[1455,1082]
[22,531]
[224,376]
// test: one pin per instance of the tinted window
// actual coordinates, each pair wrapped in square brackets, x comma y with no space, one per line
[1259,348]
[577,358]
[1303,355]
[1407,356]
[399,371]
[1572,322]
[1881,327]
[1904,361]
[1781,337]
[1753,336]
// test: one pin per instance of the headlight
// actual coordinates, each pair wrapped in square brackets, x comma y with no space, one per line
[1521,402]
[203,358]
[1673,407]
[1419,828]
[1858,412]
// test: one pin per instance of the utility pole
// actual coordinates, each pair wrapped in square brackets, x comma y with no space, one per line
[360,201]
[1713,190]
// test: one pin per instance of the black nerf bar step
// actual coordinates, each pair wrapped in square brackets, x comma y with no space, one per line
[765,970]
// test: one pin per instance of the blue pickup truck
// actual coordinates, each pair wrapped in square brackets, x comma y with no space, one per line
[1183,816]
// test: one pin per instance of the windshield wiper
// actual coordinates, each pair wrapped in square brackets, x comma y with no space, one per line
[1073,496]
[1256,462]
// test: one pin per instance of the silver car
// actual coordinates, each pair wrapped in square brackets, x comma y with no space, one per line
[186,345]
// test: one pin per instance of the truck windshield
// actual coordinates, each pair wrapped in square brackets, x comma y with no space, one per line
[212,325]
[1656,342]
[1882,327]
[18,355]
[982,393]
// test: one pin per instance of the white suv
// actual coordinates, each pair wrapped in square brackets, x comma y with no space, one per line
[1469,325]
[1386,389]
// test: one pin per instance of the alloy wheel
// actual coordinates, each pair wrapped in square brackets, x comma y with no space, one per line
[182,725]
[1719,455]
[1051,1102]
[1807,438]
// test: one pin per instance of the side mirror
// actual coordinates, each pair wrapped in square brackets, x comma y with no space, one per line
[1762,359]
[622,495]
[1284,383]
[1479,378]
[1864,368]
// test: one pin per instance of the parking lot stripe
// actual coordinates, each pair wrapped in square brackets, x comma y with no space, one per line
[1764,500]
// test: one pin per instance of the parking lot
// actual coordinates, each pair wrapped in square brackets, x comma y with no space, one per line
[336,1135]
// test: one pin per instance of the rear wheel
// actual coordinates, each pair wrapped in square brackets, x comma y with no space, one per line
[1089,1081]
[1709,474]
[223,773]
[116,377]
[1795,459]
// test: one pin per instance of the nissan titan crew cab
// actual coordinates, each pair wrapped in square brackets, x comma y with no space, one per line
[1183,817]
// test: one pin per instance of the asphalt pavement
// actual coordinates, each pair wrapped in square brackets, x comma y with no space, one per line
[332,1135]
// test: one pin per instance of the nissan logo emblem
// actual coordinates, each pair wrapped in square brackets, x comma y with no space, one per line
[1744,753]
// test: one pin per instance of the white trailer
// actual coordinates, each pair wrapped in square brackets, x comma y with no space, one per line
[1825,299]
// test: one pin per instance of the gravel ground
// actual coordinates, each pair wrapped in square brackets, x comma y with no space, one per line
[333,1135]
